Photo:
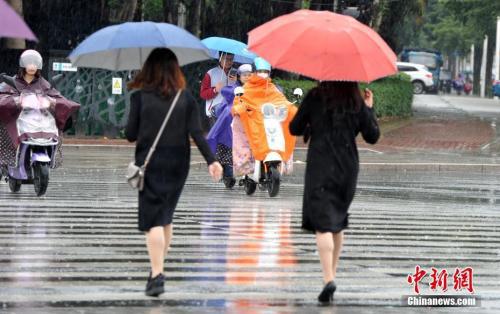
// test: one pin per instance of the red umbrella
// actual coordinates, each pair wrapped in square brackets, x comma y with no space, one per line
[323,45]
[12,25]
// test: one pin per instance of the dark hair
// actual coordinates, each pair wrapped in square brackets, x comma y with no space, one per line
[224,54]
[161,72]
[22,72]
[238,78]
[340,96]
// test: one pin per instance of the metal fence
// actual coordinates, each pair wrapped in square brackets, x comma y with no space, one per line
[102,112]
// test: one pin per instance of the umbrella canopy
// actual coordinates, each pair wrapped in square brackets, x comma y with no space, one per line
[12,25]
[127,46]
[237,48]
[323,45]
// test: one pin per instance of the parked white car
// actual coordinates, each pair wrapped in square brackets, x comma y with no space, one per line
[421,77]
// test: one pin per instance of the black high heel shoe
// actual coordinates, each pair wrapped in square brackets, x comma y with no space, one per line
[155,286]
[326,296]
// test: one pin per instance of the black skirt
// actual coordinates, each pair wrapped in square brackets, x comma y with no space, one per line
[330,184]
[164,179]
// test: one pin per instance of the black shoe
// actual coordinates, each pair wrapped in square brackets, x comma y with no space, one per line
[326,296]
[155,286]
[229,182]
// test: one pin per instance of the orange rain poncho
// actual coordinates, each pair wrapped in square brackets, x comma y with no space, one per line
[259,91]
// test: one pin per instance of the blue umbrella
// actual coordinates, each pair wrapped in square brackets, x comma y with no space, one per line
[126,46]
[239,49]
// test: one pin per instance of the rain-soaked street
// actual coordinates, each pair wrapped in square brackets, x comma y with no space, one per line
[79,246]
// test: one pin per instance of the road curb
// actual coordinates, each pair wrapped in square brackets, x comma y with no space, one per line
[437,167]
[405,167]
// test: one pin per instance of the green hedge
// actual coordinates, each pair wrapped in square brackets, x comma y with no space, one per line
[393,95]
[289,85]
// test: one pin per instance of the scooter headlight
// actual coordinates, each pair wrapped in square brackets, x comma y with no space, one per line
[268,111]
[271,111]
[282,113]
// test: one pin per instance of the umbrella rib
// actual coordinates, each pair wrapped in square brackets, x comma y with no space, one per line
[357,53]
[113,38]
[118,58]
[161,33]
[140,56]
[326,49]
[378,46]
[289,43]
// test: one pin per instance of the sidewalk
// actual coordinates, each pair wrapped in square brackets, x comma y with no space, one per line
[397,135]
[438,134]
[443,129]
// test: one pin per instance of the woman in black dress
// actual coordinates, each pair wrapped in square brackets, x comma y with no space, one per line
[166,173]
[332,115]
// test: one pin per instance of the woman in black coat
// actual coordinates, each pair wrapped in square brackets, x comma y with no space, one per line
[166,173]
[332,115]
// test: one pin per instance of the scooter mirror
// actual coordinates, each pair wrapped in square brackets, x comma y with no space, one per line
[56,79]
[239,91]
[9,80]
[298,92]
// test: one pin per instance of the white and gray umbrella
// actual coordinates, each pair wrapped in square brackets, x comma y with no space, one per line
[127,46]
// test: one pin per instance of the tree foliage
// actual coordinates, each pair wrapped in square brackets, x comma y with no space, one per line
[397,21]
[453,26]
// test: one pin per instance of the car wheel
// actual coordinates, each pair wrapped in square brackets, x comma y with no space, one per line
[418,87]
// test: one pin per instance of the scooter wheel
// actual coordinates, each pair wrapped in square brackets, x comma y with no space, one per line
[250,186]
[41,178]
[273,186]
[14,185]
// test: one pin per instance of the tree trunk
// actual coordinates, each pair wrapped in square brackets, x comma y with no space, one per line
[139,12]
[452,63]
[336,6]
[171,11]
[16,43]
[194,18]
[104,19]
[378,14]
[490,54]
[478,55]
[124,13]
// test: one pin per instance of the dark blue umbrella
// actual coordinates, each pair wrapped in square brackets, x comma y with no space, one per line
[237,48]
[126,46]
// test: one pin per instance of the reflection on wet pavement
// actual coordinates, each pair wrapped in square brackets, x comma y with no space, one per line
[79,245]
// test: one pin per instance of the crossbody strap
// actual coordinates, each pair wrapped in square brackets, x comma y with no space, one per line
[157,139]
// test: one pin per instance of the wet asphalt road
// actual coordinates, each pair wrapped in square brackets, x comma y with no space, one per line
[79,247]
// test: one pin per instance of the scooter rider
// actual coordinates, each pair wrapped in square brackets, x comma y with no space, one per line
[213,82]
[29,80]
[264,113]
[220,137]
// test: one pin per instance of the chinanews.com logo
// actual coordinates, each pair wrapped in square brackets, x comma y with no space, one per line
[441,284]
